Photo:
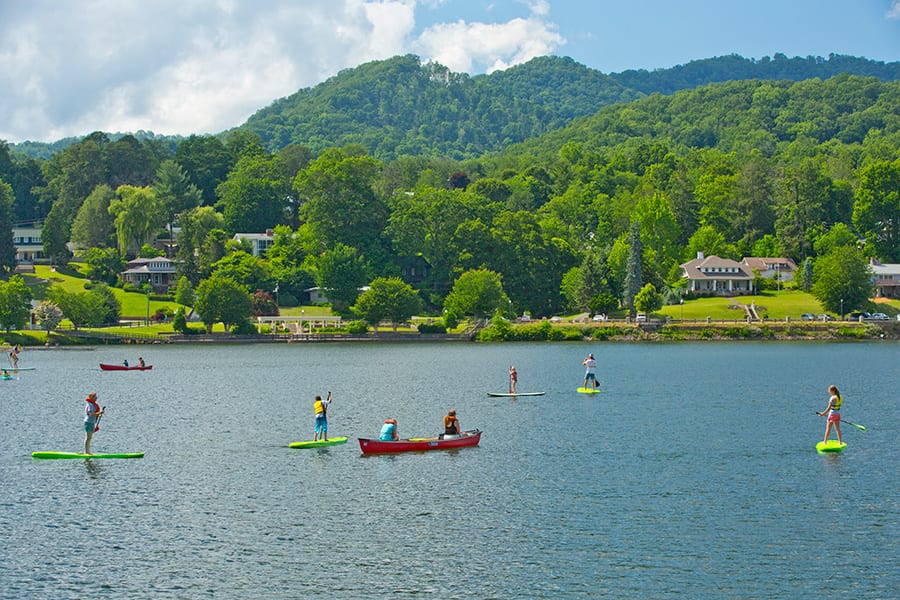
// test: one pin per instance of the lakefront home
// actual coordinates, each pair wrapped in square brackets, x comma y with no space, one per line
[717,276]
[259,242]
[158,271]
[886,279]
[771,268]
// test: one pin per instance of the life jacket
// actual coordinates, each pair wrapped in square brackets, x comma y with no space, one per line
[836,407]
[319,407]
[94,404]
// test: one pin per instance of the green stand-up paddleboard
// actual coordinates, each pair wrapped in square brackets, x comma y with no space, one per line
[830,446]
[513,395]
[584,390]
[318,443]
[79,455]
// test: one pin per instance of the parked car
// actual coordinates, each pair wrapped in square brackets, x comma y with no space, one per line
[879,317]
[602,317]
[856,316]
[556,319]
[824,317]
[640,318]
[808,317]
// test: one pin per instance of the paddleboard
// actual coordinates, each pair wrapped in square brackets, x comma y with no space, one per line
[79,455]
[502,395]
[19,369]
[318,443]
[584,390]
[830,446]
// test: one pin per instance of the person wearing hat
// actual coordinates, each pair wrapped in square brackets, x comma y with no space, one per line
[590,371]
[92,414]
[451,424]
[389,431]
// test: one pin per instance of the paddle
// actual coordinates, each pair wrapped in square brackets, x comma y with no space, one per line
[100,416]
[857,425]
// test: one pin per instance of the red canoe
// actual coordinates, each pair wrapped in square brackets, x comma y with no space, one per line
[106,367]
[467,438]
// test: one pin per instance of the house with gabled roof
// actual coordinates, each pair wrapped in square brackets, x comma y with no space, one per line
[159,272]
[771,268]
[886,279]
[717,276]
[259,242]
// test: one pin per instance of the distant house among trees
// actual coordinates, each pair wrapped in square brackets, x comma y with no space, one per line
[28,243]
[717,276]
[886,279]
[259,242]
[771,268]
[159,272]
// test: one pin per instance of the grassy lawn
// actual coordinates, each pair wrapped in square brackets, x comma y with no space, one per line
[71,279]
[774,305]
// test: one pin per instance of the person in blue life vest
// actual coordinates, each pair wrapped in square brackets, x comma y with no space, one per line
[389,431]
[320,407]
[833,410]
[590,374]
[92,414]
[125,363]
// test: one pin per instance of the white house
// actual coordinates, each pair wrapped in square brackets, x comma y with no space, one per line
[158,271]
[771,268]
[719,276]
[886,279]
[28,242]
[259,242]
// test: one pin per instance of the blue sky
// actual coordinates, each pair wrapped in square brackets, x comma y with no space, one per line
[203,66]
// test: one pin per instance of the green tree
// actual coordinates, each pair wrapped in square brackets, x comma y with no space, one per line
[7,247]
[633,269]
[838,235]
[221,300]
[15,303]
[196,225]
[103,264]
[388,299]
[138,216]
[175,193]
[206,161]
[805,275]
[340,273]
[842,279]
[247,270]
[648,299]
[252,195]
[93,225]
[478,293]
[184,292]
[83,309]
[876,211]
[48,315]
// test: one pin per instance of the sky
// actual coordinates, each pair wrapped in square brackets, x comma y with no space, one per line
[182,67]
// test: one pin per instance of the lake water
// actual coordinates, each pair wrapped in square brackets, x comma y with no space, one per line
[693,474]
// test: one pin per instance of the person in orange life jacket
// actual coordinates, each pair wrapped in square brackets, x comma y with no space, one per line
[321,409]
[834,413]
[92,412]
[389,431]
[451,424]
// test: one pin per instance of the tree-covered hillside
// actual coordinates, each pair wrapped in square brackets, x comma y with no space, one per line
[403,107]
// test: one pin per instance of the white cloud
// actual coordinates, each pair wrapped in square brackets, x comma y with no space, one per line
[202,66]
[894,11]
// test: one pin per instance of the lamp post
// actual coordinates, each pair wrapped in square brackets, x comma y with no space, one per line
[842,309]
[681,302]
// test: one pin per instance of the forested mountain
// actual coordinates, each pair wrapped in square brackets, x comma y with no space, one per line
[402,107]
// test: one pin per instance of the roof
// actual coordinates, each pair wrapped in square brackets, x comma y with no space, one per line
[881,270]
[763,263]
[713,267]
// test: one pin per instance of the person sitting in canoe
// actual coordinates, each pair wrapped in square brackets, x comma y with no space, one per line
[124,364]
[451,424]
[389,431]
[141,362]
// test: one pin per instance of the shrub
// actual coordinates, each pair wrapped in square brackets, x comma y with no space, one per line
[357,327]
[435,327]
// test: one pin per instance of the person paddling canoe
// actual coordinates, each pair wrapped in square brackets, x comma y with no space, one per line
[92,414]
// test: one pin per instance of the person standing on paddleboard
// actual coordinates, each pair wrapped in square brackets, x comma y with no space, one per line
[834,413]
[513,379]
[92,414]
[590,373]
[321,409]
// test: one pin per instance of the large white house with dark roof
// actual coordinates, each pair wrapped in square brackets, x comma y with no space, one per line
[717,276]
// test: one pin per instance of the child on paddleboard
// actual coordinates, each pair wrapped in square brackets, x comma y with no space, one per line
[834,413]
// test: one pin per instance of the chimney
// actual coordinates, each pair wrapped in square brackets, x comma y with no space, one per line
[270,232]
[699,255]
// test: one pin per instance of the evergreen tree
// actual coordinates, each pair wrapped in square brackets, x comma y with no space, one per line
[633,270]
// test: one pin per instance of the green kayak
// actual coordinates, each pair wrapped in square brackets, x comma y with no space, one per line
[79,455]
[319,443]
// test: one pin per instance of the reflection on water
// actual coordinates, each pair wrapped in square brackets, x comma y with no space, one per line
[691,473]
